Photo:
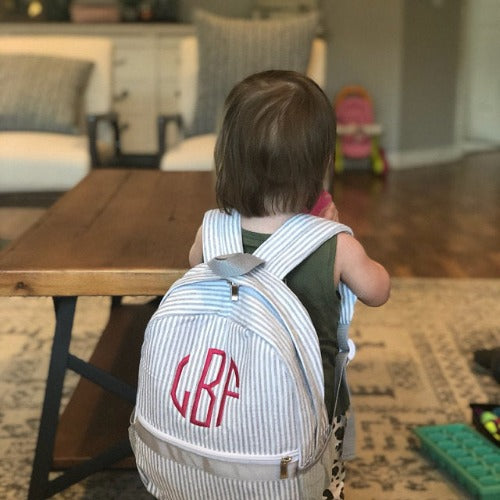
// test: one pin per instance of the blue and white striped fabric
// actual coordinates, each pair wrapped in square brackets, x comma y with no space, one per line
[230,399]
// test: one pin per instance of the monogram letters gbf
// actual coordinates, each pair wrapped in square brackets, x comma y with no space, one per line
[206,388]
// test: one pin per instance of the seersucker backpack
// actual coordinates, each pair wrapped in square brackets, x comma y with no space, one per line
[230,394]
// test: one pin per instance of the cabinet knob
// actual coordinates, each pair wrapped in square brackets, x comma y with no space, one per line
[121,96]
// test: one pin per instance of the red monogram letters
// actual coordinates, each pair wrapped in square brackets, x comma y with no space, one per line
[206,388]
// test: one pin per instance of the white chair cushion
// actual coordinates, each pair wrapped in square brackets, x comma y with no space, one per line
[195,153]
[32,161]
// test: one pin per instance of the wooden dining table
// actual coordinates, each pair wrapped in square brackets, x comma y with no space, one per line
[119,232]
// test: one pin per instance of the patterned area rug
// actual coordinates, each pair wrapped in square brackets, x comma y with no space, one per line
[413,367]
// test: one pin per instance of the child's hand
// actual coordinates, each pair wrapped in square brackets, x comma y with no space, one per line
[324,207]
[330,212]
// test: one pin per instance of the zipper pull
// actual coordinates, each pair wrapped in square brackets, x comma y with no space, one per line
[234,291]
[284,467]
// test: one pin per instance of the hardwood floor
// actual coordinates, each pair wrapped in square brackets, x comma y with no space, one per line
[436,221]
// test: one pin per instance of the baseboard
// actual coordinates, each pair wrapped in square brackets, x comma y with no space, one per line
[419,158]
[479,146]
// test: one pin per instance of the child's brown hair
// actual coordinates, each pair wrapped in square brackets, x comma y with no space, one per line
[276,142]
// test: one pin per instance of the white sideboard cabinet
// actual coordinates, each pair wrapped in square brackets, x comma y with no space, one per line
[135,90]
[145,81]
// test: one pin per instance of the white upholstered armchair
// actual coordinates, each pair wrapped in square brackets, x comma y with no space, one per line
[223,51]
[54,92]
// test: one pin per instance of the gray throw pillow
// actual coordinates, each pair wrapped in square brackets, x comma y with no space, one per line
[231,49]
[42,93]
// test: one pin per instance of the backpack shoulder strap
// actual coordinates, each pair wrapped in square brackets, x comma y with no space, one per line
[281,252]
[221,234]
[284,250]
[295,240]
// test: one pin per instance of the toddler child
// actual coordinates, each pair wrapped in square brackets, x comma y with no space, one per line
[276,143]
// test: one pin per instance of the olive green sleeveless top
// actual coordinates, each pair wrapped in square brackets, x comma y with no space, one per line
[312,282]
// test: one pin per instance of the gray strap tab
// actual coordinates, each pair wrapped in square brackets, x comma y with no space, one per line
[349,442]
[343,337]
[339,375]
[236,264]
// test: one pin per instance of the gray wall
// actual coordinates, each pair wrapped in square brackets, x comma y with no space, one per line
[364,48]
[429,77]
[405,52]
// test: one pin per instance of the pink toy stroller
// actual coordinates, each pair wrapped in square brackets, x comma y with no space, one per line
[357,132]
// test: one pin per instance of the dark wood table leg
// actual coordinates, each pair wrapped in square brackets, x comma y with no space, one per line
[65,311]
[58,433]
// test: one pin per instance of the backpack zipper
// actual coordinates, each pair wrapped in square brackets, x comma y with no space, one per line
[283,460]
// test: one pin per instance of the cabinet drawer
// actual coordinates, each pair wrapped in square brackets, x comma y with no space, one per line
[139,134]
[145,85]
[134,59]
[135,97]
[168,61]
[169,96]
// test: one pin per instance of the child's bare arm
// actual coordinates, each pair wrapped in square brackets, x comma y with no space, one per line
[196,251]
[365,277]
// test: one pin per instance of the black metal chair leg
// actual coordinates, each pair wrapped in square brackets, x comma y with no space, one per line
[65,311]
